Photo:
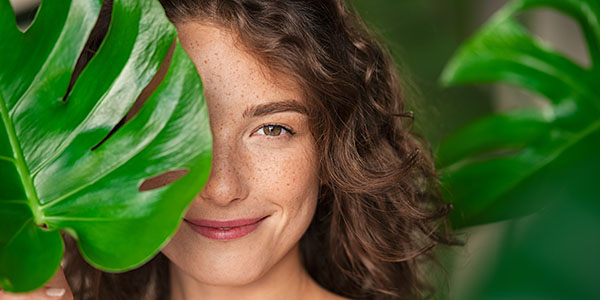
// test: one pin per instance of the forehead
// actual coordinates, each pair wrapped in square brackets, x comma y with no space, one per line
[228,71]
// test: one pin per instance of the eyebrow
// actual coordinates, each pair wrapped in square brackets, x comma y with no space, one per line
[274,107]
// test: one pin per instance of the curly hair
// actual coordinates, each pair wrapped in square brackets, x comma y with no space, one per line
[379,211]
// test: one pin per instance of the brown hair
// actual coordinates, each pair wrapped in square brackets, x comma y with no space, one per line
[379,211]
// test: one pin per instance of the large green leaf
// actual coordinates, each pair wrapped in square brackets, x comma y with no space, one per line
[490,165]
[56,173]
[543,163]
[552,254]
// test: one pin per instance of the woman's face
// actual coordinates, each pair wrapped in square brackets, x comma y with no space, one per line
[262,191]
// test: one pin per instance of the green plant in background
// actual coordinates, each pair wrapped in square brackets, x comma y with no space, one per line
[540,163]
[58,170]
[422,35]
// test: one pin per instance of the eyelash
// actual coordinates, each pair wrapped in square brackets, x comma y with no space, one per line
[287,129]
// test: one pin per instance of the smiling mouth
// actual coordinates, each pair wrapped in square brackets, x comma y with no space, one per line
[225,230]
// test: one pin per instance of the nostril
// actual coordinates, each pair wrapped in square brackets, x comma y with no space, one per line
[223,191]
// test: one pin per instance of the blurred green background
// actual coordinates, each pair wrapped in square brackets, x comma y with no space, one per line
[422,36]
[548,255]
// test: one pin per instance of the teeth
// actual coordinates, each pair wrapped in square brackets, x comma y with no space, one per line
[224,228]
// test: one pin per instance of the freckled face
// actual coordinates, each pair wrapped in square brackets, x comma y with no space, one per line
[264,164]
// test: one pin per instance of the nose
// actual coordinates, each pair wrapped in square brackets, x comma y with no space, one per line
[225,183]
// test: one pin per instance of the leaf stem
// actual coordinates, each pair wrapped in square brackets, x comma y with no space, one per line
[19,161]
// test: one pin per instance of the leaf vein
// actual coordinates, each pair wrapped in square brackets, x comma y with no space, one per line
[18,231]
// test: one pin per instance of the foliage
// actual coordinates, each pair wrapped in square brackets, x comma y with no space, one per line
[536,163]
[492,165]
[422,35]
[64,167]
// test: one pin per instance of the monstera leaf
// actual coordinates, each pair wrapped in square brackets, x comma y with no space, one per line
[542,163]
[515,163]
[68,158]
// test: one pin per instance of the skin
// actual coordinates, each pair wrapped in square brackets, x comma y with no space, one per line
[255,173]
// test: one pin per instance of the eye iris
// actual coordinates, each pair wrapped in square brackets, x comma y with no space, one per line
[272,130]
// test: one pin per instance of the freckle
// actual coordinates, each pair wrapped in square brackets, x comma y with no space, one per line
[205,61]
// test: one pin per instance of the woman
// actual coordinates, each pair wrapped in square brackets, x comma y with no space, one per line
[318,189]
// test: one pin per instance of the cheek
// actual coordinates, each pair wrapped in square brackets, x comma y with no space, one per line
[289,172]
[288,179]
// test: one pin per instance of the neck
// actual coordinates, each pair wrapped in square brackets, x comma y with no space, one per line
[286,280]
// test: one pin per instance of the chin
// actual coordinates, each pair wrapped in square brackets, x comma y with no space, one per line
[235,277]
[270,250]
[217,263]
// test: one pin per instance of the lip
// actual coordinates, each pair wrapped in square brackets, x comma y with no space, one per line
[225,230]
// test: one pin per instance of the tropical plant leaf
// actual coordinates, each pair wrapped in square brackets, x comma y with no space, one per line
[490,165]
[552,254]
[512,130]
[70,160]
